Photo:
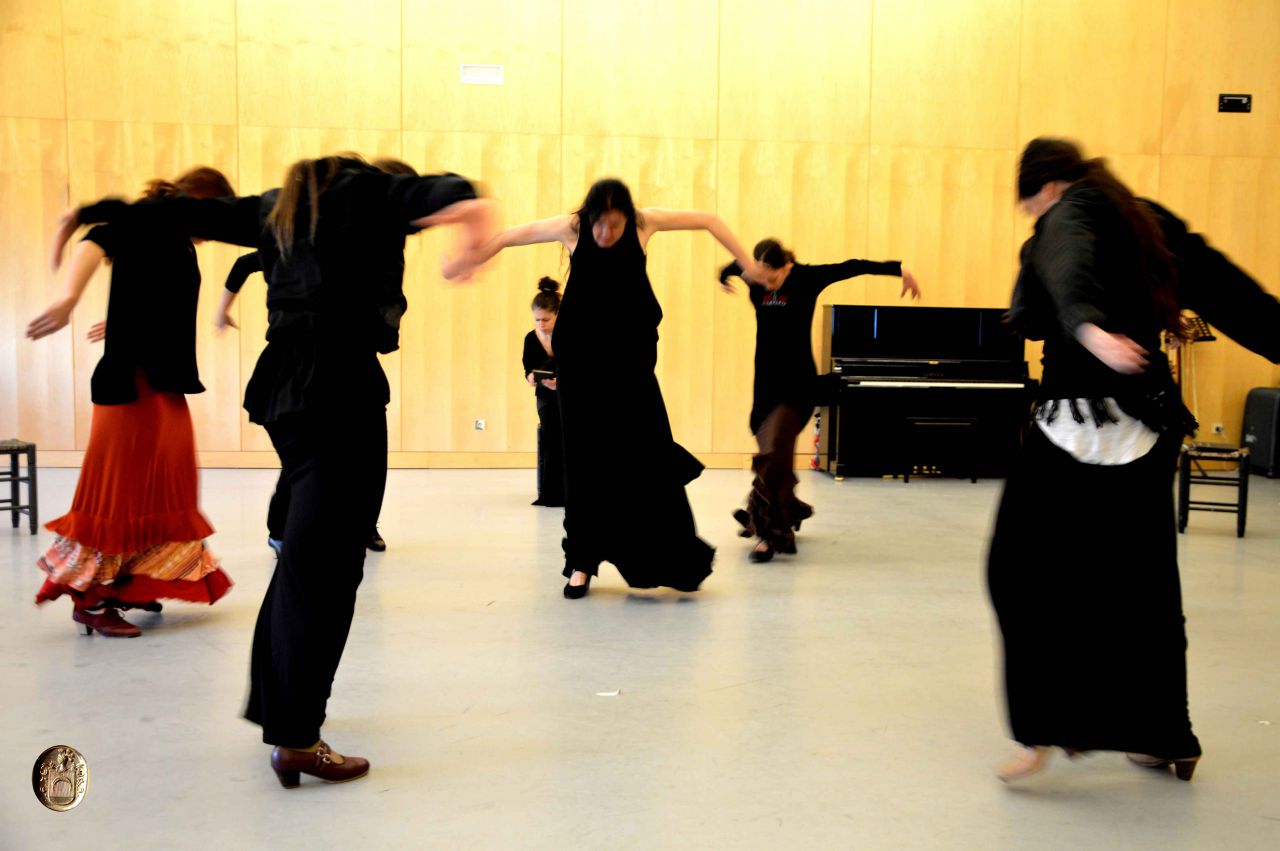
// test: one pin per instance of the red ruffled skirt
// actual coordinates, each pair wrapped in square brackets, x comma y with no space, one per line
[135,533]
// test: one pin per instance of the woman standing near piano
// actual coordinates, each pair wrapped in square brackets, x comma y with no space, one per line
[785,294]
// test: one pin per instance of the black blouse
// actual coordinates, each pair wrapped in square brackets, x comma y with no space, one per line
[151,313]
[536,357]
[785,369]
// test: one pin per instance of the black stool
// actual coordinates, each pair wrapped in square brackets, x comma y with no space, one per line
[14,448]
[1191,471]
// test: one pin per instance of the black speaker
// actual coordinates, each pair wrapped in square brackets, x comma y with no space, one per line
[1261,431]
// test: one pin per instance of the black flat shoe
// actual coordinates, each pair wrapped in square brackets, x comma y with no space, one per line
[577,592]
[761,556]
[376,543]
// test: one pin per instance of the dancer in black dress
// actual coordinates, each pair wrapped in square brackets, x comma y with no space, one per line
[786,382]
[624,472]
[539,370]
[1082,567]
[328,239]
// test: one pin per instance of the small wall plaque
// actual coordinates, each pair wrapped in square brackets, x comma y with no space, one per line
[483,75]
[1235,103]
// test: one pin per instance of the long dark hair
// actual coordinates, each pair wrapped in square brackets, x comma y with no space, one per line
[771,253]
[304,183]
[1045,160]
[607,194]
[548,297]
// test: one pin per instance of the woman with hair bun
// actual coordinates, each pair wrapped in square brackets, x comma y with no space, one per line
[539,370]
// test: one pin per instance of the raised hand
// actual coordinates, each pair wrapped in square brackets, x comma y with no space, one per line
[55,318]
[910,285]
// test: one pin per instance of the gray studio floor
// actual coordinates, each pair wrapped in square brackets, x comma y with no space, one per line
[845,698]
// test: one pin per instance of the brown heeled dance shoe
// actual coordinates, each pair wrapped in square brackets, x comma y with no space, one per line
[323,763]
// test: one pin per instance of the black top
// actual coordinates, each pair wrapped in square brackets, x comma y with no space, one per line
[151,312]
[245,266]
[536,357]
[333,304]
[785,369]
[1084,264]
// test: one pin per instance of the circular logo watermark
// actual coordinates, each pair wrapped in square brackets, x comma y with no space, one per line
[60,778]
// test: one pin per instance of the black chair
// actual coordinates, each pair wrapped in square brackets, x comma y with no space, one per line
[15,448]
[1191,471]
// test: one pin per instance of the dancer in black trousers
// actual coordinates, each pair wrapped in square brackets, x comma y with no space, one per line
[320,392]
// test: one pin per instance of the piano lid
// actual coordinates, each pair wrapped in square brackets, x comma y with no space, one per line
[895,333]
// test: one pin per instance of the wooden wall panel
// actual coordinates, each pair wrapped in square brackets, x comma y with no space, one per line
[441,35]
[874,129]
[151,61]
[112,158]
[1220,48]
[675,174]
[640,69]
[948,214]
[323,63]
[800,74]
[31,60]
[1092,70]
[462,341]
[37,392]
[945,75]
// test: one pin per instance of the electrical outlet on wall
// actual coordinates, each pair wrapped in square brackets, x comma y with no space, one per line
[1218,428]
[479,425]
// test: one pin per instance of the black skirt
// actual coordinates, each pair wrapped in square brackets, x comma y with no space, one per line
[1083,574]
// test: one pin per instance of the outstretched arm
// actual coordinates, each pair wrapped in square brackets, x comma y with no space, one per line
[657,219]
[84,262]
[555,229]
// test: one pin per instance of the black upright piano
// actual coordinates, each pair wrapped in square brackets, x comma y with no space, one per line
[921,389]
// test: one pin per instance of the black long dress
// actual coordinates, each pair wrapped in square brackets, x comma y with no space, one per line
[550,438]
[624,472]
[1083,564]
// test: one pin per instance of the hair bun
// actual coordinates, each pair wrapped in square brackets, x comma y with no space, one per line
[548,285]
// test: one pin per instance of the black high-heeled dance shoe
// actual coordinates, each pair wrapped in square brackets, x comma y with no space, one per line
[1182,768]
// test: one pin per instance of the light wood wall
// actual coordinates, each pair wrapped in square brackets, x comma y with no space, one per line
[860,128]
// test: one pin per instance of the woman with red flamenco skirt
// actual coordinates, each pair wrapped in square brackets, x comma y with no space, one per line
[135,534]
